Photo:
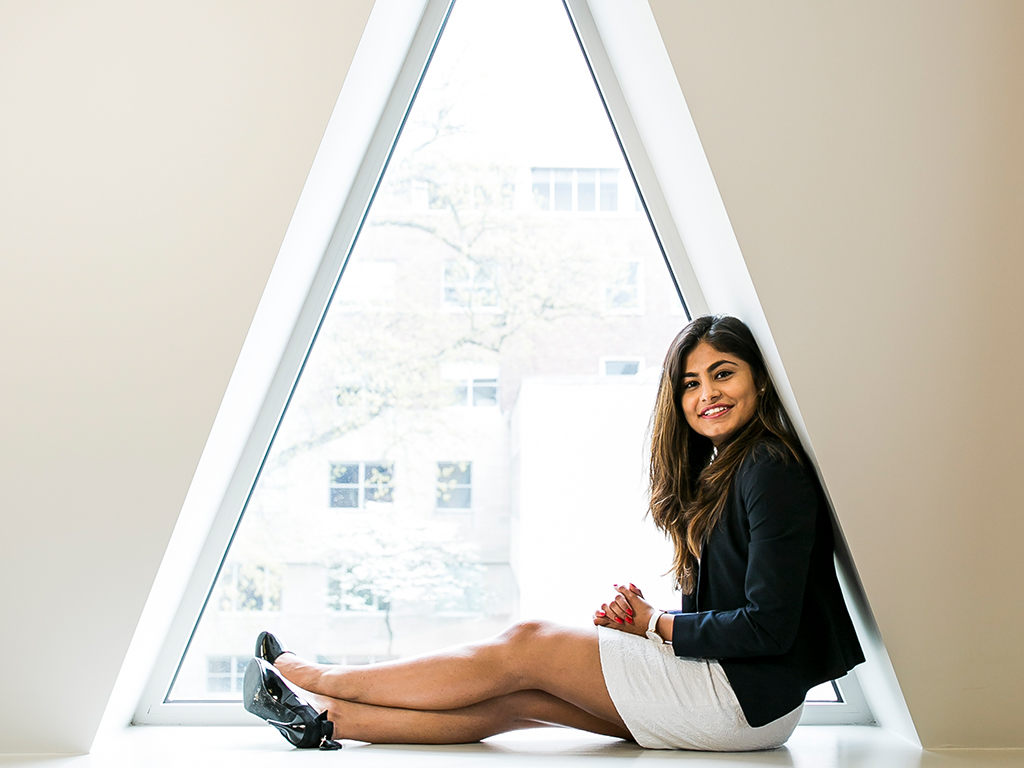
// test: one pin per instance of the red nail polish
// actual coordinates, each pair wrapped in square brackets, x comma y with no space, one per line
[618,619]
[600,613]
[632,586]
[629,621]
[629,611]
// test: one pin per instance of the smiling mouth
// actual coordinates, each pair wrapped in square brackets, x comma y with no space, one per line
[715,411]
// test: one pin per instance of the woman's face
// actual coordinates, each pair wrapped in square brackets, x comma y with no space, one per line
[719,394]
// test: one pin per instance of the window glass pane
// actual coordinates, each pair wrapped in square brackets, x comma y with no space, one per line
[436,199]
[454,472]
[623,293]
[485,392]
[386,522]
[621,367]
[542,188]
[379,483]
[218,684]
[459,394]
[454,498]
[586,190]
[563,189]
[344,497]
[610,190]
[344,473]
[826,693]
[485,286]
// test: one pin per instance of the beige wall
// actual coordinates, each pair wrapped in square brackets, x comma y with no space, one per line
[150,158]
[869,156]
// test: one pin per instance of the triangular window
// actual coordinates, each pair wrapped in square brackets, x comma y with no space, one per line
[466,437]
[465,406]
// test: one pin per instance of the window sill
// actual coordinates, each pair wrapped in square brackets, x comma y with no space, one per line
[240,746]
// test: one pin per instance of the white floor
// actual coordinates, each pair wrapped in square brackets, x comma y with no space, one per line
[262,747]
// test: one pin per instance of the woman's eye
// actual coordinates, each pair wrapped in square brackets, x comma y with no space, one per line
[723,374]
[689,384]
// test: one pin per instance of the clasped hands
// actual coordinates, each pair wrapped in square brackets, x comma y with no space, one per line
[627,611]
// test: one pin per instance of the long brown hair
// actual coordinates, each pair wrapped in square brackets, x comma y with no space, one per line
[688,490]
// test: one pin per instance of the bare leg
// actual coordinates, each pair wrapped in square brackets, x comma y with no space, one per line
[563,662]
[515,711]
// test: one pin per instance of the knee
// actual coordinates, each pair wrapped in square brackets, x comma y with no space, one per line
[525,633]
[521,646]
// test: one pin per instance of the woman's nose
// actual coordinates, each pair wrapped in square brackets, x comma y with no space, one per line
[708,391]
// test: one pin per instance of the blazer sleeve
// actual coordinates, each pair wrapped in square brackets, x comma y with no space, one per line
[780,503]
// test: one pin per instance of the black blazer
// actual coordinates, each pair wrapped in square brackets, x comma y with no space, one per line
[767,603]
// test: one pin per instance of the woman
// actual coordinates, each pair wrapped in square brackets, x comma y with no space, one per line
[762,618]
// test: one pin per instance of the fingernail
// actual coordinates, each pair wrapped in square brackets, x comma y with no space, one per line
[632,585]
[629,621]
[629,611]
[618,619]
[600,613]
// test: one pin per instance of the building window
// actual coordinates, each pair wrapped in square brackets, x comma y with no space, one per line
[454,484]
[356,587]
[475,393]
[622,292]
[470,286]
[224,674]
[248,587]
[575,189]
[621,366]
[359,484]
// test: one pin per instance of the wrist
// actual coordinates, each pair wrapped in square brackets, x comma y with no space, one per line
[665,623]
[653,626]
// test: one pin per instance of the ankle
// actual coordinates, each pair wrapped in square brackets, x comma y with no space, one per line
[286,659]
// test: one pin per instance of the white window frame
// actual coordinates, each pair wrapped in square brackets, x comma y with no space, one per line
[609,287]
[456,486]
[361,485]
[234,676]
[629,63]
[602,366]
[470,284]
[574,186]
[467,391]
[234,570]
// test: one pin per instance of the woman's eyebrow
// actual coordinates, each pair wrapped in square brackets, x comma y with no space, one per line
[711,368]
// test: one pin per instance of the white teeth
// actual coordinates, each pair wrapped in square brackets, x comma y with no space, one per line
[714,411]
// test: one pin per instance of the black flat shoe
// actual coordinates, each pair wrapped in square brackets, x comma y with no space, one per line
[266,695]
[269,647]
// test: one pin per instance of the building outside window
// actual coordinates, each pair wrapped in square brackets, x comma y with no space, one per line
[575,189]
[621,366]
[622,294]
[475,392]
[250,587]
[470,286]
[224,674]
[454,484]
[350,587]
[357,484]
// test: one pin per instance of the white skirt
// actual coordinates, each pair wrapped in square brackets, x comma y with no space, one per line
[671,702]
